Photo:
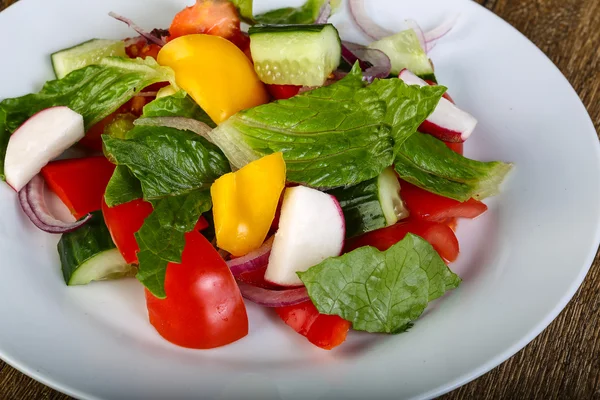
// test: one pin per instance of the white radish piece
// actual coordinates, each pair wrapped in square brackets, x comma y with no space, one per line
[43,137]
[311,229]
[447,122]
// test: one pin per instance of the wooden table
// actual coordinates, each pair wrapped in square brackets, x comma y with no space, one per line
[564,361]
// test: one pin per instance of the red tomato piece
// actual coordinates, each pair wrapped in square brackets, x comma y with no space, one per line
[123,221]
[440,236]
[212,17]
[324,331]
[79,182]
[283,92]
[141,48]
[432,207]
[203,308]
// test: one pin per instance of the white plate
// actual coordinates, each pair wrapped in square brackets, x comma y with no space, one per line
[521,262]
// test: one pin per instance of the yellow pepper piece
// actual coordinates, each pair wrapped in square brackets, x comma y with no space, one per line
[245,202]
[217,74]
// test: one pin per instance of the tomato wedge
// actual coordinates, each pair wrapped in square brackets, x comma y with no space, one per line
[432,207]
[203,308]
[324,331]
[440,236]
[283,92]
[79,182]
[212,17]
[123,221]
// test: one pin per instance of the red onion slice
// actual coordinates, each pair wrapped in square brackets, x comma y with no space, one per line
[441,30]
[181,123]
[32,201]
[273,298]
[253,260]
[148,35]
[364,22]
[324,13]
[380,64]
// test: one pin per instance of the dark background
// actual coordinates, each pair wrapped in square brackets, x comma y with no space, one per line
[564,361]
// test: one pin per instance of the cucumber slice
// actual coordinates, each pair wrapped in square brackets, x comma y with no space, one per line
[295,54]
[89,254]
[84,54]
[371,205]
[405,51]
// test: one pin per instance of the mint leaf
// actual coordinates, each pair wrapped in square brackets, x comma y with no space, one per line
[380,291]
[122,187]
[428,163]
[94,91]
[162,237]
[167,161]
[177,105]
[338,135]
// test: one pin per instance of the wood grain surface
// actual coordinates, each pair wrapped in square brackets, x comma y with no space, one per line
[564,361]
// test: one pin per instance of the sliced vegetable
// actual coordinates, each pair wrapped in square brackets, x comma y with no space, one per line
[252,261]
[381,291]
[79,182]
[308,13]
[211,84]
[295,54]
[84,54]
[345,127]
[324,331]
[149,36]
[123,221]
[33,203]
[447,122]
[427,163]
[273,298]
[245,202]
[432,207]
[439,235]
[311,228]
[372,204]
[364,22]
[405,52]
[203,308]
[380,64]
[89,254]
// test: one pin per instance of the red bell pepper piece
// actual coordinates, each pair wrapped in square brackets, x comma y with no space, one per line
[79,182]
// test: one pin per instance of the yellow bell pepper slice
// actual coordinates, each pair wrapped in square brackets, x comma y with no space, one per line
[217,74]
[245,202]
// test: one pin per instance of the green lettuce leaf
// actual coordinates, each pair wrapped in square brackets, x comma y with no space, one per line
[305,14]
[244,8]
[177,105]
[380,291]
[162,237]
[94,91]
[338,135]
[428,163]
[167,161]
[122,187]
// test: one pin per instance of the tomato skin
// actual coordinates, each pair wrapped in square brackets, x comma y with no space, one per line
[203,308]
[283,92]
[456,147]
[440,236]
[324,331]
[212,17]
[432,207]
[79,182]
[123,221]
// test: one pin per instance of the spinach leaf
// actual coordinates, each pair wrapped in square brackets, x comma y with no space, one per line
[380,291]
[94,91]
[162,237]
[338,135]
[167,161]
[428,163]
[177,105]
[122,187]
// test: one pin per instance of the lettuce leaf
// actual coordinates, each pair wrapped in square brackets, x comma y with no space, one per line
[338,135]
[122,187]
[380,291]
[428,163]
[94,91]
[177,105]
[305,14]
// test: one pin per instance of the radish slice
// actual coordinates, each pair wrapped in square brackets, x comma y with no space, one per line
[148,35]
[31,198]
[43,137]
[447,122]
[181,123]
[252,261]
[311,229]
[364,22]
[273,298]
